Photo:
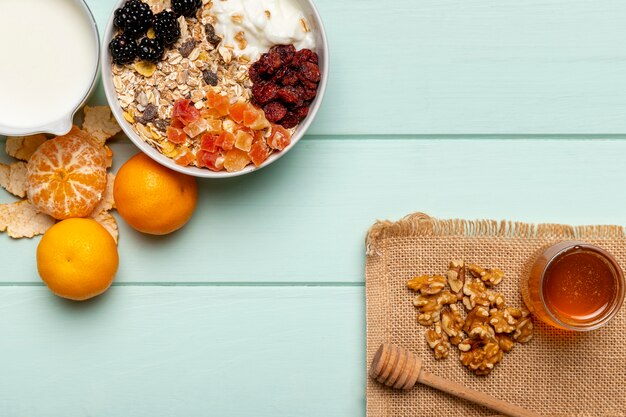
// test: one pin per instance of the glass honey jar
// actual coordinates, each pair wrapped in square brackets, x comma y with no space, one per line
[574,286]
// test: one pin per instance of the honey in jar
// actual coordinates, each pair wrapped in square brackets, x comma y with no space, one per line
[575,286]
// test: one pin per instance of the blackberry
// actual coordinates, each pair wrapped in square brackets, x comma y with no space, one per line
[134,18]
[123,49]
[150,50]
[166,27]
[187,8]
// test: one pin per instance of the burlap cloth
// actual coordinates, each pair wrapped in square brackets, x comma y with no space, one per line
[557,373]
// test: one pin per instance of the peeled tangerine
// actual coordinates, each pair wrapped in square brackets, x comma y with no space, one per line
[67,175]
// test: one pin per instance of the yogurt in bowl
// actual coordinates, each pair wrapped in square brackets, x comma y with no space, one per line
[215,88]
[264,24]
[51,49]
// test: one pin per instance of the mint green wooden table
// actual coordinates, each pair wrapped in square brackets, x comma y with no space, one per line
[459,108]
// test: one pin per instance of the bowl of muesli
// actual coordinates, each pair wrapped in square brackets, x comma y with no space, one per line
[215,88]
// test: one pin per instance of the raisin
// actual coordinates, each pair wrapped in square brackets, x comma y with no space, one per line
[309,72]
[274,111]
[286,53]
[264,92]
[288,95]
[149,113]
[161,124]
[290,120]
[187,47]
[302,112]
[211,37]
[209,77]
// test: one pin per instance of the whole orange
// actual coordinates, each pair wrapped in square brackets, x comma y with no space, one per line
[152,198]
[77,259]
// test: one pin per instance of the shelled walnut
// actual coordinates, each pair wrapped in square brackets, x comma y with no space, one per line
[456,276]
[489,276]
[430,306]
[427,284]
[452,323]
[490,329]
[438,342]
[480,356]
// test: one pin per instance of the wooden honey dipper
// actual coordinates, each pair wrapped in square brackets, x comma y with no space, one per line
[400,369]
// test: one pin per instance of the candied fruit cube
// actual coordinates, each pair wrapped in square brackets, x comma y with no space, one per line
[210,114]
[208,142]
[184,159]
[255,119]
[196,127]
[185,111]
[236,160]
[236,111]
[218,102]
[243,140]
[259,152]
[214,126]
[176,135]
[211,160]
[226,141]
[280,138]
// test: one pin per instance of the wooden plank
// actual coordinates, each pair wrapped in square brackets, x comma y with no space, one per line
[305,217]
[470,66]
[184,351]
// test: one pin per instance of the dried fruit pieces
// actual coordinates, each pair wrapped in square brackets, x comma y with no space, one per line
[285,82]
[210,136]
[490,328]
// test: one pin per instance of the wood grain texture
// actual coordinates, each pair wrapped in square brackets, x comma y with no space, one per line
[304,218]
[470,66]
[183,351]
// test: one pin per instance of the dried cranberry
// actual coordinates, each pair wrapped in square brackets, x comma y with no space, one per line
[309,94]
[288,94]
[309,72]
[309,85]
[290,78]
[274,111]
[269,63]
[253,73]
[286,52]
[302,112]
[264,92]
[290,120]
[303,55]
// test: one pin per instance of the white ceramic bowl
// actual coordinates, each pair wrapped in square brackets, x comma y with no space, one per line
[321,48]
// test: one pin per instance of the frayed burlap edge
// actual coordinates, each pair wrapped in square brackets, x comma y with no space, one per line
[421,224]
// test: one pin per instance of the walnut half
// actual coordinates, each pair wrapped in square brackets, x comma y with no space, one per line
[456,276]
[427,284]
[480,356]
[430,306]
[438,342]
[452,323]
[489,276]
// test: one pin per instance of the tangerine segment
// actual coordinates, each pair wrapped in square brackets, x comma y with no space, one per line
[67,176]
